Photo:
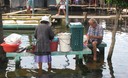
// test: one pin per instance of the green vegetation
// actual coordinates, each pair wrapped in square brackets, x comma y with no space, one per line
[119,3]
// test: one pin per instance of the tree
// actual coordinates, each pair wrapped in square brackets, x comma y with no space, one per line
[119,5]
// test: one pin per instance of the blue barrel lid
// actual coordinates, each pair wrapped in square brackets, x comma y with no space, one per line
[76,25]
[55,39]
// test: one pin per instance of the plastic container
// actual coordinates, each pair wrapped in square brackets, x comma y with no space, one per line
[13,39]
[10,47]
[64,40]
[76,29]
[54,44]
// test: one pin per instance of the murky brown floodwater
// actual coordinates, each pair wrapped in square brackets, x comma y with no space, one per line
[66,67]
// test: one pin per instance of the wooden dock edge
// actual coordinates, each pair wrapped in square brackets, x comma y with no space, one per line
[17,56]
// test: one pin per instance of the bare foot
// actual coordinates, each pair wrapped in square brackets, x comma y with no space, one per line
[94,59]
[40,72]
[57,14]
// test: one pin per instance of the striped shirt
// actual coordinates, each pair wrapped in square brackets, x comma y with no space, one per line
[98,31]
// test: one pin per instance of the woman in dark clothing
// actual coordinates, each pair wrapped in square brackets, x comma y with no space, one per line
[43,34]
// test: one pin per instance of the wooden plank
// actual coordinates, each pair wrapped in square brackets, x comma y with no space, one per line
[56,17]
[25,14]
[81,17]
[19,26]
[21,11]
[21,18]
[61,17]
[17,56]
[73,5]
[56,53]
[101,17]
[125,16]
[16,12]
[84,51]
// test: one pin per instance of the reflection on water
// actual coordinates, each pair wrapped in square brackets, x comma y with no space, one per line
[67,67]
[111,69]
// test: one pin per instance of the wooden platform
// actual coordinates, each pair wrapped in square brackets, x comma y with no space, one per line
[21,21]
[28,21]
[85,51]
[21,11]
[17,56]
[101,48]
[73,5]
[84,7]
[19,26]
[81,17]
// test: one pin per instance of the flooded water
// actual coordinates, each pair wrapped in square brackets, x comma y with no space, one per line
[67,67]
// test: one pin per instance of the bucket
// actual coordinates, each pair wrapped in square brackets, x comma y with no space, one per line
[54,44]
[10,47]
[64,40]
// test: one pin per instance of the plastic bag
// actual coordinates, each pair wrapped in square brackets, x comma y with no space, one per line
[13,39]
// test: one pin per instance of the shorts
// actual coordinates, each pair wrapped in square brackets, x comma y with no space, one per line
[43,58]
[62,7]
[28,7]
[98,42]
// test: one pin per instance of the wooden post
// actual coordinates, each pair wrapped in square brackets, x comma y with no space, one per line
[102,50]
[95,4]
[67,20]
[85,16]
[17,61]
[33,6]
[2,53]
[85,22]
[125,22]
